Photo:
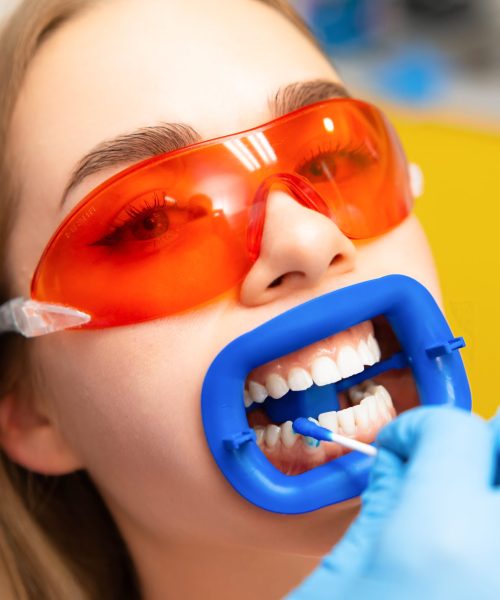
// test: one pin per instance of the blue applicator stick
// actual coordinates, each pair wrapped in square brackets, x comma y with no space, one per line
[311,429]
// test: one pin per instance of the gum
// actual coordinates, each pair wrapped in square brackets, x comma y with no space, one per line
[305,356]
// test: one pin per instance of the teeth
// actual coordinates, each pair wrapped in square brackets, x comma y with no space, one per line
[361,417]
[381,392]
[299,379]
[373,409]
[357,393]
[365,354]
[364,389]
[329,420]
[288,435]
[276,386]
[325,371]
[259,432]
[247,401]
[349,362]
[383,410]
[272,435]
[346,421]
[258,392]
[374,347]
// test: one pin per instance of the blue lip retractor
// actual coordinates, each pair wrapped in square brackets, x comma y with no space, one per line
[428,347]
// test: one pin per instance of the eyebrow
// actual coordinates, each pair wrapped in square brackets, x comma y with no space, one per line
[147,142]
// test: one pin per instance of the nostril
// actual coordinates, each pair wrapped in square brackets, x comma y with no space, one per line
[276,282]
[337,259]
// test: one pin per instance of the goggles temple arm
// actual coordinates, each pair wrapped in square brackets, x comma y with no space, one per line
[416,180]
[31,318]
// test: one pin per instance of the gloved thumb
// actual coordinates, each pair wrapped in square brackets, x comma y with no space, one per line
[348,557]
[378,502]
[495,425]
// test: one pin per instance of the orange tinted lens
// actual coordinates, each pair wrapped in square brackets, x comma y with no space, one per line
[351,156]
[170,233]
[150,243]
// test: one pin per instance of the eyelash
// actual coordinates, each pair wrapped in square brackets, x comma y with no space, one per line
[134,213]
[357,151]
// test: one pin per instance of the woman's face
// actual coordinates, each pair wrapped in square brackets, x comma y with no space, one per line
[126,400]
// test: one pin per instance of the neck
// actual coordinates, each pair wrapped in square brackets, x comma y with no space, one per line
[180,566]
[192,570]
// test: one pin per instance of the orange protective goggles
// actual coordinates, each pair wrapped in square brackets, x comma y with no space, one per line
[178,230]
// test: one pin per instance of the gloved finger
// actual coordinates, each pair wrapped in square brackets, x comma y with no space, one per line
[445,447]
[346,561]
[319,585]
[495,426]
[378,501]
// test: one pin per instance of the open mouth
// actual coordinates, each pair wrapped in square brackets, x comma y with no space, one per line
[353,359]
[334,381]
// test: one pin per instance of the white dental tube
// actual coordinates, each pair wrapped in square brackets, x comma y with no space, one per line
[31,318]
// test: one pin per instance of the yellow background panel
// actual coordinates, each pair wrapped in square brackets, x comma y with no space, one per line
[460,210]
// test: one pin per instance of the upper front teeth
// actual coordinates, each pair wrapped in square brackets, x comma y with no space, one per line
[258,392]
[349,362]
[299,379]
[322,371]
[276,386]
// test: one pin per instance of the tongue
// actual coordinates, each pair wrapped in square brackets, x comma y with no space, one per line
[258,417]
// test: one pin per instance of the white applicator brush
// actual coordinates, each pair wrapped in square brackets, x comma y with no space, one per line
[311,429]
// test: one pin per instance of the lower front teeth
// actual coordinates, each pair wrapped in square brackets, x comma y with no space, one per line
[374,408]
[288,435]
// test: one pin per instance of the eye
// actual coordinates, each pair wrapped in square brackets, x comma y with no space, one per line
[147,221]
[154,221]
[149,224]
[339,164]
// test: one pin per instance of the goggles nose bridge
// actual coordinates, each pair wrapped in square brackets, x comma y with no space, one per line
[297,186]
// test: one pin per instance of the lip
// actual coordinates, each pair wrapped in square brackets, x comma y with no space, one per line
[428,347]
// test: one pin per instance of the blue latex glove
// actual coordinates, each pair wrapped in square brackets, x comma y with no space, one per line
[429,527]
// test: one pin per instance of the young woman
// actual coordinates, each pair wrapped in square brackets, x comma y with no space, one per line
[107,484]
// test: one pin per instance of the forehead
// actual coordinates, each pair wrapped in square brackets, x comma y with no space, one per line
[128,64]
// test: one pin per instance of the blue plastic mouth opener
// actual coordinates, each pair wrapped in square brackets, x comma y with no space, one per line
[428,348]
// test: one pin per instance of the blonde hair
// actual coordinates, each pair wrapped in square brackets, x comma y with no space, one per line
[57,538]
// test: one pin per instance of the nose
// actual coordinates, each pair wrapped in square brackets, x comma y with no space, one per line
[299,247]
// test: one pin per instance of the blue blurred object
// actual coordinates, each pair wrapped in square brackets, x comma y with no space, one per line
[417,75]
[342,23]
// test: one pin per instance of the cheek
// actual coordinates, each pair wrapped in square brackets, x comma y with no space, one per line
[127,400]
[404,250]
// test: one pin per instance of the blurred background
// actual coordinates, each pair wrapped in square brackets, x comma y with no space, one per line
[421,53]
[434,66]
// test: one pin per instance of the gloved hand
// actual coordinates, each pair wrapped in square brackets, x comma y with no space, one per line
[429,527]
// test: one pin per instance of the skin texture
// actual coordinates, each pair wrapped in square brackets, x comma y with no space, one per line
[123,403]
